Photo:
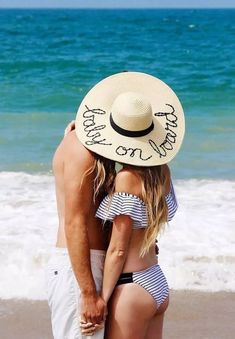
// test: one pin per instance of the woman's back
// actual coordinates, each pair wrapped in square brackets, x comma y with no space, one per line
[128,199]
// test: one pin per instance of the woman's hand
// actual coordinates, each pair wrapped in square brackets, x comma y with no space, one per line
[88,329]
[70,127]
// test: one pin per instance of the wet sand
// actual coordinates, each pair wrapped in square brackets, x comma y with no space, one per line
[191,315]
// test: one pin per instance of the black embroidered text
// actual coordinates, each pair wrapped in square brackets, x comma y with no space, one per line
[92,131]
[122,150]
[170,139]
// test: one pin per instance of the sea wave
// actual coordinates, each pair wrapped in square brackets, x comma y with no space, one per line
[197,249]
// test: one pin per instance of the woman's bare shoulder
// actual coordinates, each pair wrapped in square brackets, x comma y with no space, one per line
[128,181]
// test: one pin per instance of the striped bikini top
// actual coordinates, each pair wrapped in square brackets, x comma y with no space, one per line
[122,203]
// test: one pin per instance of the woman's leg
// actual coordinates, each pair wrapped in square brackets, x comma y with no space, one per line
[155,328]
[131,309]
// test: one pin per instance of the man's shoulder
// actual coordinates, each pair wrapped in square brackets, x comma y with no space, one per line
[74,151]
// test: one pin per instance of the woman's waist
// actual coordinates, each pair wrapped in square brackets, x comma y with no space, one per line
[135,263]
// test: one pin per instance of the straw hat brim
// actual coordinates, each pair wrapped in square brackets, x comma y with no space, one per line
[94,130]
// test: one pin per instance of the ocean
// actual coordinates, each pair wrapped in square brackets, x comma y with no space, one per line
[49,59]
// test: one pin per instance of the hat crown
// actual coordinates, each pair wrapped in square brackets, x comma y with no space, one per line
[132,111]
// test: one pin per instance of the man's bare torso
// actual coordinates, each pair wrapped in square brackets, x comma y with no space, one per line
[60,161]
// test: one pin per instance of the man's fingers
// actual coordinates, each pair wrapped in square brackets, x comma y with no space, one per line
[99,326]
[91,330]
[87,325]
[93,310]
[88,330]
[82,320]
[86,319]
[88,333]
[70,127]
[96,319]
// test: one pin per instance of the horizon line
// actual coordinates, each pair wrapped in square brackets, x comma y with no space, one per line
[118,8]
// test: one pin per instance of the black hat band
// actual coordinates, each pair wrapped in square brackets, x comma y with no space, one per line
[128,133]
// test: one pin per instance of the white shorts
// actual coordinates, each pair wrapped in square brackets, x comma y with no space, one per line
[64,293]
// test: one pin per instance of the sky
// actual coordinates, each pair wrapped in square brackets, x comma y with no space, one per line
[117,3]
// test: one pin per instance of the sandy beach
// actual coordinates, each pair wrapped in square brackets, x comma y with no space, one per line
[191,315]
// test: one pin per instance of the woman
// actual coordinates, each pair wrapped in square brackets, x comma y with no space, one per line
[137,120]
[140,293]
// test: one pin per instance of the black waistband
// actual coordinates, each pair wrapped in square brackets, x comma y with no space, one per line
[125,278]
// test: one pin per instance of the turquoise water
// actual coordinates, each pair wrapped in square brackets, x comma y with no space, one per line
[50,59]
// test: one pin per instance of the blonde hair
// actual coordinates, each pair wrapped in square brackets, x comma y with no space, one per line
[105,176]
[104,172]
[153,182]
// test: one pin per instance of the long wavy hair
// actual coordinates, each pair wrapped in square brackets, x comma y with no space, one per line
[104,175]
[153,182]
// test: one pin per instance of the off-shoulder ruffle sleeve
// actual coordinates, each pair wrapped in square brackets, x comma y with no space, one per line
[121,203]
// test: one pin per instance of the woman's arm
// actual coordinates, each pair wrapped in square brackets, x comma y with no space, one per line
[125,181]
[116,254]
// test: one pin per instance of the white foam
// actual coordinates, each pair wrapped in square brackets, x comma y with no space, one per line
[197,250]
[28,229]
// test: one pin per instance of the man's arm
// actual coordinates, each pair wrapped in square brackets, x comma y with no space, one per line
[78,200]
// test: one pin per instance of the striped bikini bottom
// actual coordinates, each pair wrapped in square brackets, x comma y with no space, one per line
[152,280]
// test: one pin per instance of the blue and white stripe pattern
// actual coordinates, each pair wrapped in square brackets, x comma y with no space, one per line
[154,282]
[124,204]
[121,203]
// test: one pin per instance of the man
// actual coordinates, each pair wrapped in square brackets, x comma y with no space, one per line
[76,266]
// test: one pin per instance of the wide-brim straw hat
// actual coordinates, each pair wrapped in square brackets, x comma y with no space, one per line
[132,118]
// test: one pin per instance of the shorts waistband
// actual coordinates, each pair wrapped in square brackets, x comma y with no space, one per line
[64,251]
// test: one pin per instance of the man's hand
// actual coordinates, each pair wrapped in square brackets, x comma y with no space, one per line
[70,127]
[93,309]
[88,329]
